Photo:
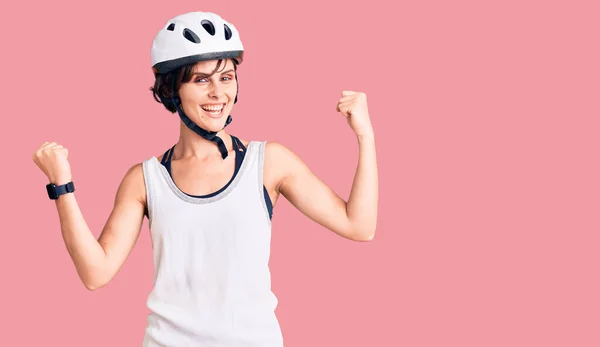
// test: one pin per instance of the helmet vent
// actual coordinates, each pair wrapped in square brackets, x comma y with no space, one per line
[171,27]
[191,36]
[227,32]
[209,27]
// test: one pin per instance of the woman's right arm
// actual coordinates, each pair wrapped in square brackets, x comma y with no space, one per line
[96,261]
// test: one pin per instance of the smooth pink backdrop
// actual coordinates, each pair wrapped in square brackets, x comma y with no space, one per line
[486,119]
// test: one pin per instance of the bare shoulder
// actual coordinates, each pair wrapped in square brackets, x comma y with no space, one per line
[135,172]
[132,186]
[280,162]
[275,152]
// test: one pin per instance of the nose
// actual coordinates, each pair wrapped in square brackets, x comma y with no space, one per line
[215,90]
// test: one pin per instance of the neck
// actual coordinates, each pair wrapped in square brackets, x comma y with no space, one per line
[191,144]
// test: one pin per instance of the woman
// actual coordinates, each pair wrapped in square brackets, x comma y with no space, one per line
[209,199]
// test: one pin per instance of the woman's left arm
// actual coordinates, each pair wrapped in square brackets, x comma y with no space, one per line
[355,219]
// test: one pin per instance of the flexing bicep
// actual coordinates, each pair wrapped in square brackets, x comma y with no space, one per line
[308,193]
[124,224]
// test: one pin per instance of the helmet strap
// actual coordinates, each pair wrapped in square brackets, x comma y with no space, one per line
[208,135]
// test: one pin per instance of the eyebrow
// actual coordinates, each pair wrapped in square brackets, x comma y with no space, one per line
[205,74]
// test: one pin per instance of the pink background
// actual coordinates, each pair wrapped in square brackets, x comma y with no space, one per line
[486,119]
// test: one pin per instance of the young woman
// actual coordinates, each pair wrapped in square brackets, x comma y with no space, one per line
[209,199]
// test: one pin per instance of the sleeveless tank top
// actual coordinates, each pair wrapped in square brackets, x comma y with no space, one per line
[240,150]
[212,284]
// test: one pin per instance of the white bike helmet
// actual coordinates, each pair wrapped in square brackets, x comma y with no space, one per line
[194,37]
[190,38]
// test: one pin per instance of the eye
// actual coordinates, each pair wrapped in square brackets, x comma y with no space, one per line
[227,78]
[201,80]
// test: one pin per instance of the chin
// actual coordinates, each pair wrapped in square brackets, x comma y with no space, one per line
[211,124]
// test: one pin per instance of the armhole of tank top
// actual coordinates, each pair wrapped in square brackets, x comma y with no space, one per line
[146,170]
[261,183]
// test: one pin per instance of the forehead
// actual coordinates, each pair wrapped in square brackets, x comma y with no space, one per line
[207,67]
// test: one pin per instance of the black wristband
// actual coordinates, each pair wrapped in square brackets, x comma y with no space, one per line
[55,191]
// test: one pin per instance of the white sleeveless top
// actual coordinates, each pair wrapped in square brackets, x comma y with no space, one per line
[212,284]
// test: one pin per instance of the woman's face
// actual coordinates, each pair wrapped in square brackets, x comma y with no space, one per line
[208,101]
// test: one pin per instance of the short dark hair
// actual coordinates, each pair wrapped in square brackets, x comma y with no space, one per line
[163,83]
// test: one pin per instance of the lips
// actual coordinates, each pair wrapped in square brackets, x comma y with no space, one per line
[213,110]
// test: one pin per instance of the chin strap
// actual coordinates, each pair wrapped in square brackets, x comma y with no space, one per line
[208,135]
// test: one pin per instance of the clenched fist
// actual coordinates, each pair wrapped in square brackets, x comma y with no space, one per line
[51,158]
[353,105]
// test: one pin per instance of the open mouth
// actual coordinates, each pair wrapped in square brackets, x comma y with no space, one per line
[214,111]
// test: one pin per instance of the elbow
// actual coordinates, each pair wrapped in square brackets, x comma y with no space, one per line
[365,237]
[92,286]
[96,274]
[93,283]
[362,230]
[364,234]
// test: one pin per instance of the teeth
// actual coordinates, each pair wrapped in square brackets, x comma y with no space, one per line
[216,108]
